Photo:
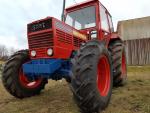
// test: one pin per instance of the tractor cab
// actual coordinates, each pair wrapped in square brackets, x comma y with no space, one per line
[91,18]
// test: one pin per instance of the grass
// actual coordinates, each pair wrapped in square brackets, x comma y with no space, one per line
[138,69]
[57,97]
[1,62]
[135,96]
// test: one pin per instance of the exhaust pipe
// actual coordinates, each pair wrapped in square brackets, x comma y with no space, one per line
[63,10]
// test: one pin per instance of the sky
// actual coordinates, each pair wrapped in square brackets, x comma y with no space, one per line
[15,14]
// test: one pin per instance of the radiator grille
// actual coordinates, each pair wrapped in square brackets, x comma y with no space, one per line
[63,37]
[41,40]
[77,41]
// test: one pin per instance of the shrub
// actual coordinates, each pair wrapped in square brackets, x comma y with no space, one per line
[1,67]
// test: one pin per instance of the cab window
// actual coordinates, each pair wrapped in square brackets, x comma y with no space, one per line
[110,23]
[104,20]
[82,18]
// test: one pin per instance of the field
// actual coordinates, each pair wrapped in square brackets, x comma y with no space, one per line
[57,98]
[1,62]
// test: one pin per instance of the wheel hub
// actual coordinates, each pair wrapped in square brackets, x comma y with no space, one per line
[123,65]
[103,76]
[26,82]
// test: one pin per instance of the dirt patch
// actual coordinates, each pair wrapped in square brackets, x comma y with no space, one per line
[57,97]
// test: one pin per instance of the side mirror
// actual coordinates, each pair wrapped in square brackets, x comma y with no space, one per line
[93,34]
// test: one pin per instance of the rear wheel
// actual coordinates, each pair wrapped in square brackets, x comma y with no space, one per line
[92,77]
[16,82]
[118,54]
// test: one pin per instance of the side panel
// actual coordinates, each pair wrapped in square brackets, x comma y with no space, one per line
[66,39]
[63,40]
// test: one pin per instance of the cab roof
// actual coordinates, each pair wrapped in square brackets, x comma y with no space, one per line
[82,4]
[78,5]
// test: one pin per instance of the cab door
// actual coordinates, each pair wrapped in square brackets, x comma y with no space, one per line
[104,24]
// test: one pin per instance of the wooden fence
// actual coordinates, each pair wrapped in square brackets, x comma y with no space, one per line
[138,51]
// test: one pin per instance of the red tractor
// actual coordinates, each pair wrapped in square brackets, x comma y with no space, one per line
[82,48]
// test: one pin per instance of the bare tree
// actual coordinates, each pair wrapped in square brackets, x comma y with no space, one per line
[12,51]
[6,52]
[3,52]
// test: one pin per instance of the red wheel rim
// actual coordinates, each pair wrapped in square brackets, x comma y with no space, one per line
[123,65]
[103,76]
[26,83]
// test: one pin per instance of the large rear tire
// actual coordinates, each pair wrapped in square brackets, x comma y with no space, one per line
[15,81]
[92,77]
[118,54]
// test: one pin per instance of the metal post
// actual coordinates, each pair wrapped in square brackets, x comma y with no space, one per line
[63,16]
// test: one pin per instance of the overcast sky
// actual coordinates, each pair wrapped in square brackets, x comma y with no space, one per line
[15,14]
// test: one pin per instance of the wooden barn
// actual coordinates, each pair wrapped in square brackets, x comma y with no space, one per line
[136,35]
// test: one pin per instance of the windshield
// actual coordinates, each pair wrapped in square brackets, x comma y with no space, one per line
[82,19]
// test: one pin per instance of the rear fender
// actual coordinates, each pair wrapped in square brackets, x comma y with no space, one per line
[114,36]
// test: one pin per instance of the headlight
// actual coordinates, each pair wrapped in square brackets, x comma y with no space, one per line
[50,52]
[33,53]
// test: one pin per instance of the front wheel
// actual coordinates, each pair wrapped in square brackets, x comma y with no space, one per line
[16,82]
[92,77]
